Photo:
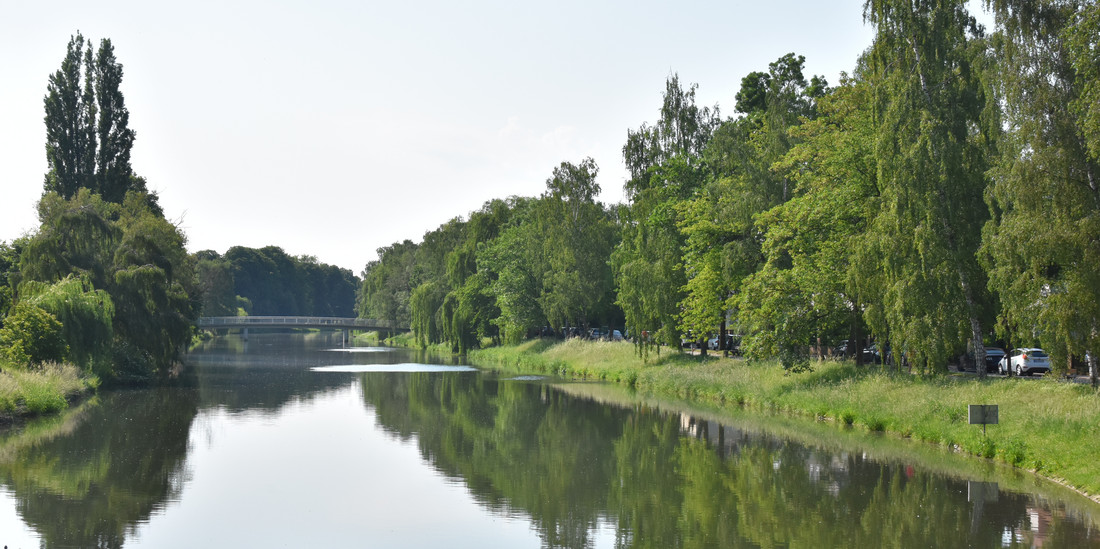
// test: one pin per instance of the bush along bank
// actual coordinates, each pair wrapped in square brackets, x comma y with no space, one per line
[1049,427]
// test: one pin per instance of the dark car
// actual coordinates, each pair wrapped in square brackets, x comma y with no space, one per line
[993,356]
[872,354]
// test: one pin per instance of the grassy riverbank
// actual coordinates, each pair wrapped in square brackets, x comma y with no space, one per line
[42,390]
[1047,426]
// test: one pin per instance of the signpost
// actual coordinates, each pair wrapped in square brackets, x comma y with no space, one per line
[983,414]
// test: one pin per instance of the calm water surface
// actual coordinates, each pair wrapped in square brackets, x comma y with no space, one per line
[283,442]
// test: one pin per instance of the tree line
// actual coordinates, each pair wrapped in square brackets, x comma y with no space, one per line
[267,281]
[105,282]
[942,196]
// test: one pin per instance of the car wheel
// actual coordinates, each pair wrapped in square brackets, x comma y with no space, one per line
[1019,370]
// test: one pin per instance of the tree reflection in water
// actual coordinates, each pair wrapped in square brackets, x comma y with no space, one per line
[582,471]
[669,480]
[89,482]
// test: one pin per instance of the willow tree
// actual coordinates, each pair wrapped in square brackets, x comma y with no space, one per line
[86,316]
[130,252]
[1044,245]
[931,163]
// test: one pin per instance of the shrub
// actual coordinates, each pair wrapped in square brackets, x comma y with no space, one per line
[32,336]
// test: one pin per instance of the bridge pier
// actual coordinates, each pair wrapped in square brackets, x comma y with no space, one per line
[346,339]
[244,333]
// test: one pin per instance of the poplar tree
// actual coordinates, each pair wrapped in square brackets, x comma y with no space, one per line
[88,138]
[70,122]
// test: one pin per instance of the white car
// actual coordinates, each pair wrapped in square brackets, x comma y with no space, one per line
[1024,361]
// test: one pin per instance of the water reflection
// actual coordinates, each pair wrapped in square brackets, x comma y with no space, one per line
[340,459]
[674,480]
[87,480]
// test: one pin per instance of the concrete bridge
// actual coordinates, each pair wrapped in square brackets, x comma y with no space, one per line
[346,325]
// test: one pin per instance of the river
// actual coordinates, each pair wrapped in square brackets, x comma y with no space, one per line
[290,441]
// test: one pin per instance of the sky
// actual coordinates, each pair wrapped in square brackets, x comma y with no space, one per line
[332,128]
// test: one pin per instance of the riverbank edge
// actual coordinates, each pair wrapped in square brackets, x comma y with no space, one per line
[880,402]
[48,390]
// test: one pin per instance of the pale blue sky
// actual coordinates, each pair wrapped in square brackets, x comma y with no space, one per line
[333,128]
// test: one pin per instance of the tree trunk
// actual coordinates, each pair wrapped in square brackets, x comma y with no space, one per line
[1092,371]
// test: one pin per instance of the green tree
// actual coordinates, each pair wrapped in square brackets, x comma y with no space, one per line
[577,239]
[9,265]
[722,245]
[519,266]
[114,176]
[70,122]
[129,251]
[931,162]
[152,288]
[806,287]
[88,139]
[86,316]
[214,281]
[666,168]
[75,236]
[426,300]
[388,283]
[1042,246]
[32,336]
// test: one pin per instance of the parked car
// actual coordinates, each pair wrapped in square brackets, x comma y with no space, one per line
[616,335]
[841,351]
[872,354]
[1024,362]
[712,343]
[993,356]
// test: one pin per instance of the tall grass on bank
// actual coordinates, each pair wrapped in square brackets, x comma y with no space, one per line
[1048,426]
[41,390]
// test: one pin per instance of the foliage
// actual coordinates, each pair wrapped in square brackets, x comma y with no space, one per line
[32,336]
[931,159]
[388,284]
[666,169]
[88,138]
[577,239]
[126,255]
[1041,247]
[272,282]
[810,240]
[86,316]
[9,265]
[215,282]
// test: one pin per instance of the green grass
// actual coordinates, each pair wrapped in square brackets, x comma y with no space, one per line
[41,390]
[1047,426]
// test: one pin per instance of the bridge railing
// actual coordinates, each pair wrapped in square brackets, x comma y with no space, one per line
[310,321]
